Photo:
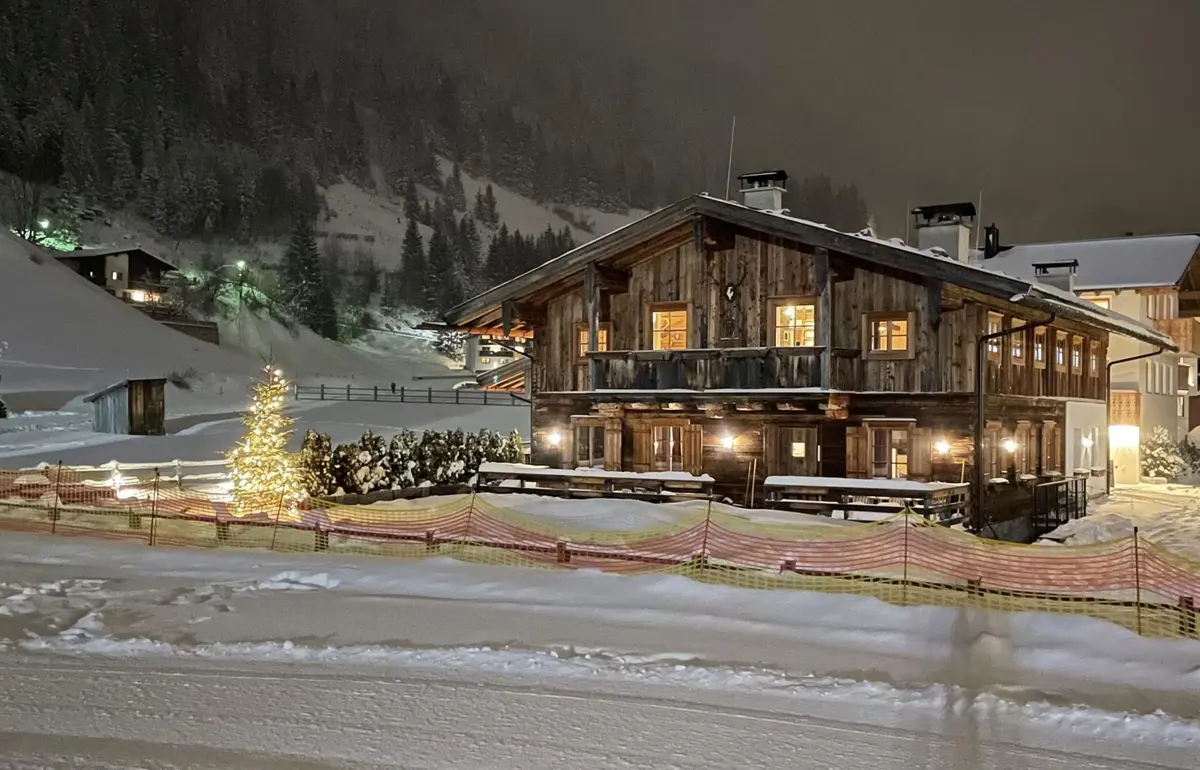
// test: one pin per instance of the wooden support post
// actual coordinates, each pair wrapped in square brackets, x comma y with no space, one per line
[347,392]
[1187,616]
[561,554]
[591,299]
[376,392]
[824,331]
[322,391]
[789,565]
[321,541]
[430,541]
[222,531]
[928,338]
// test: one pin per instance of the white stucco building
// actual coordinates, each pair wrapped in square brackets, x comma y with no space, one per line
[1152,279]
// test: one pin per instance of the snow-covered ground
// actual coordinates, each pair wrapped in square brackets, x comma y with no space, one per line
[118,656]
[1168,515]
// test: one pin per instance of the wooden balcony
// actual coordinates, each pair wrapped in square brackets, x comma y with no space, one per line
[1183,331]
[709,369]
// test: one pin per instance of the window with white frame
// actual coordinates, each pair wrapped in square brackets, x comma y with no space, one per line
[889,453]
[589,446]
[1161,305]
[668,448]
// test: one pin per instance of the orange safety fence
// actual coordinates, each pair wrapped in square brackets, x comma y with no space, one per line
[903,560]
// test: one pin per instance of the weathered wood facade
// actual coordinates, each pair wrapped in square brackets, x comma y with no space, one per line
[130,407]
[680,349]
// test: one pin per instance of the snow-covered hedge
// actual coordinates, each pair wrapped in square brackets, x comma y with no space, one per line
[1160,456]
[409,460]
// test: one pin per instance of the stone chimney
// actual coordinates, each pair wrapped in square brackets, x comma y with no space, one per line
[947,227]
[1060,275]
[764,190]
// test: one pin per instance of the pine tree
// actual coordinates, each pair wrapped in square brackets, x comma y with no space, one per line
[121,186]
[265,476]
[455,193]
[303,288]
[491,213]
[247,205]
[412,200]
[148,184]
[443,282]
[413,265]
[469,245]
[480,209]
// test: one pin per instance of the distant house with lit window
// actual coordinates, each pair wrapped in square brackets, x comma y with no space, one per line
[739,341]
[130,273]
[1154,280]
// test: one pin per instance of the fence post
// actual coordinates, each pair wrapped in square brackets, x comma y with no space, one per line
[431,395]
[278,513]
[347,392]
[376,392]
[707,522]
[456,394]
[178,473]
[470,512]
[485,397]
[904,580]
[54,510]
[1137,581]
[402,394]
[154,509]
[322,391]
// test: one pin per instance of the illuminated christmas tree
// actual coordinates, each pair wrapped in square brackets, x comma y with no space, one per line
[266,477]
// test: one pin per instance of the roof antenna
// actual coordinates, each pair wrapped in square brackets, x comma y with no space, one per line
[729,168]
[978,219]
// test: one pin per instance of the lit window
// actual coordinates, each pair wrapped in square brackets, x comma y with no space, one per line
[485,360]
[1060,351]
[889,453]
[798,449]
[795,324]
[1039,348]
[995,322]
[669,327]
[1076,354]
[582,336]
[1104,302]
[888,335]
[1179,406]
[116,276]
[668,448]
[589,446]
[1094,358]
[1018,343]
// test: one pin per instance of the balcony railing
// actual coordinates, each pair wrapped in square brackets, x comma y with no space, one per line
[709,369]
[1183,331]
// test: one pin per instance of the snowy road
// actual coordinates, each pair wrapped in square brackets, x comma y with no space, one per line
[117,656]
[275,717]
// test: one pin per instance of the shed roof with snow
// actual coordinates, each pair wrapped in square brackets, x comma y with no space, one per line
[1133,262]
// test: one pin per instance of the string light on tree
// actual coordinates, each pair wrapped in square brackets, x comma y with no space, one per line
[262,470]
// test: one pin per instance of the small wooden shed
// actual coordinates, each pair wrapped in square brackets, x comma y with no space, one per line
[131,408]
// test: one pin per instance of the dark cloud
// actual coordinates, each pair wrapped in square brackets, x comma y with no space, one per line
[1074,117]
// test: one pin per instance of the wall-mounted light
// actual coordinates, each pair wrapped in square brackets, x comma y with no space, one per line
[727,441]
[1123,436]
[942,447]
[1087,442]
[241,264]
[43,224]
[555,438]
[1009,445]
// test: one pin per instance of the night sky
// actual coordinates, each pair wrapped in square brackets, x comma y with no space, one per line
[1074,117]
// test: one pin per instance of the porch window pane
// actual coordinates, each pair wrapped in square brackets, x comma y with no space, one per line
[668,448]
[795,325]
[669,329]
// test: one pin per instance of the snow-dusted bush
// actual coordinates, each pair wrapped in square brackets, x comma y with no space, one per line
[3,409]
[316,464]
[1190,454]
[1160,456]
[409,460]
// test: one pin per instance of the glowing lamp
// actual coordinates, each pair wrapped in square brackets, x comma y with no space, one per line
[942,447]
[554,438]
[1009,445]
[241,264]
[1123,436]
[43,223]
[1087,442]
[727,442]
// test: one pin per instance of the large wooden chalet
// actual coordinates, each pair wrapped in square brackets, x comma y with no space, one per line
[737,340]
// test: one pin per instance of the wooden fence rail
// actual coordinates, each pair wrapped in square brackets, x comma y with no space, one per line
[408,395]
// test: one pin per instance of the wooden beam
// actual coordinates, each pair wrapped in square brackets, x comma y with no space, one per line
[929,320]
[611,279]
[511,312]
[591,298]
[824,280]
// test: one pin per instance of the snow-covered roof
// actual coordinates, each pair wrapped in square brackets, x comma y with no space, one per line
[1110,263]
[984,279]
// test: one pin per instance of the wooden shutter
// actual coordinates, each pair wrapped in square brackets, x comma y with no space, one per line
[856,452]
[693,449]
[774,460]
[920,464]
[612,444]
[643,447]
